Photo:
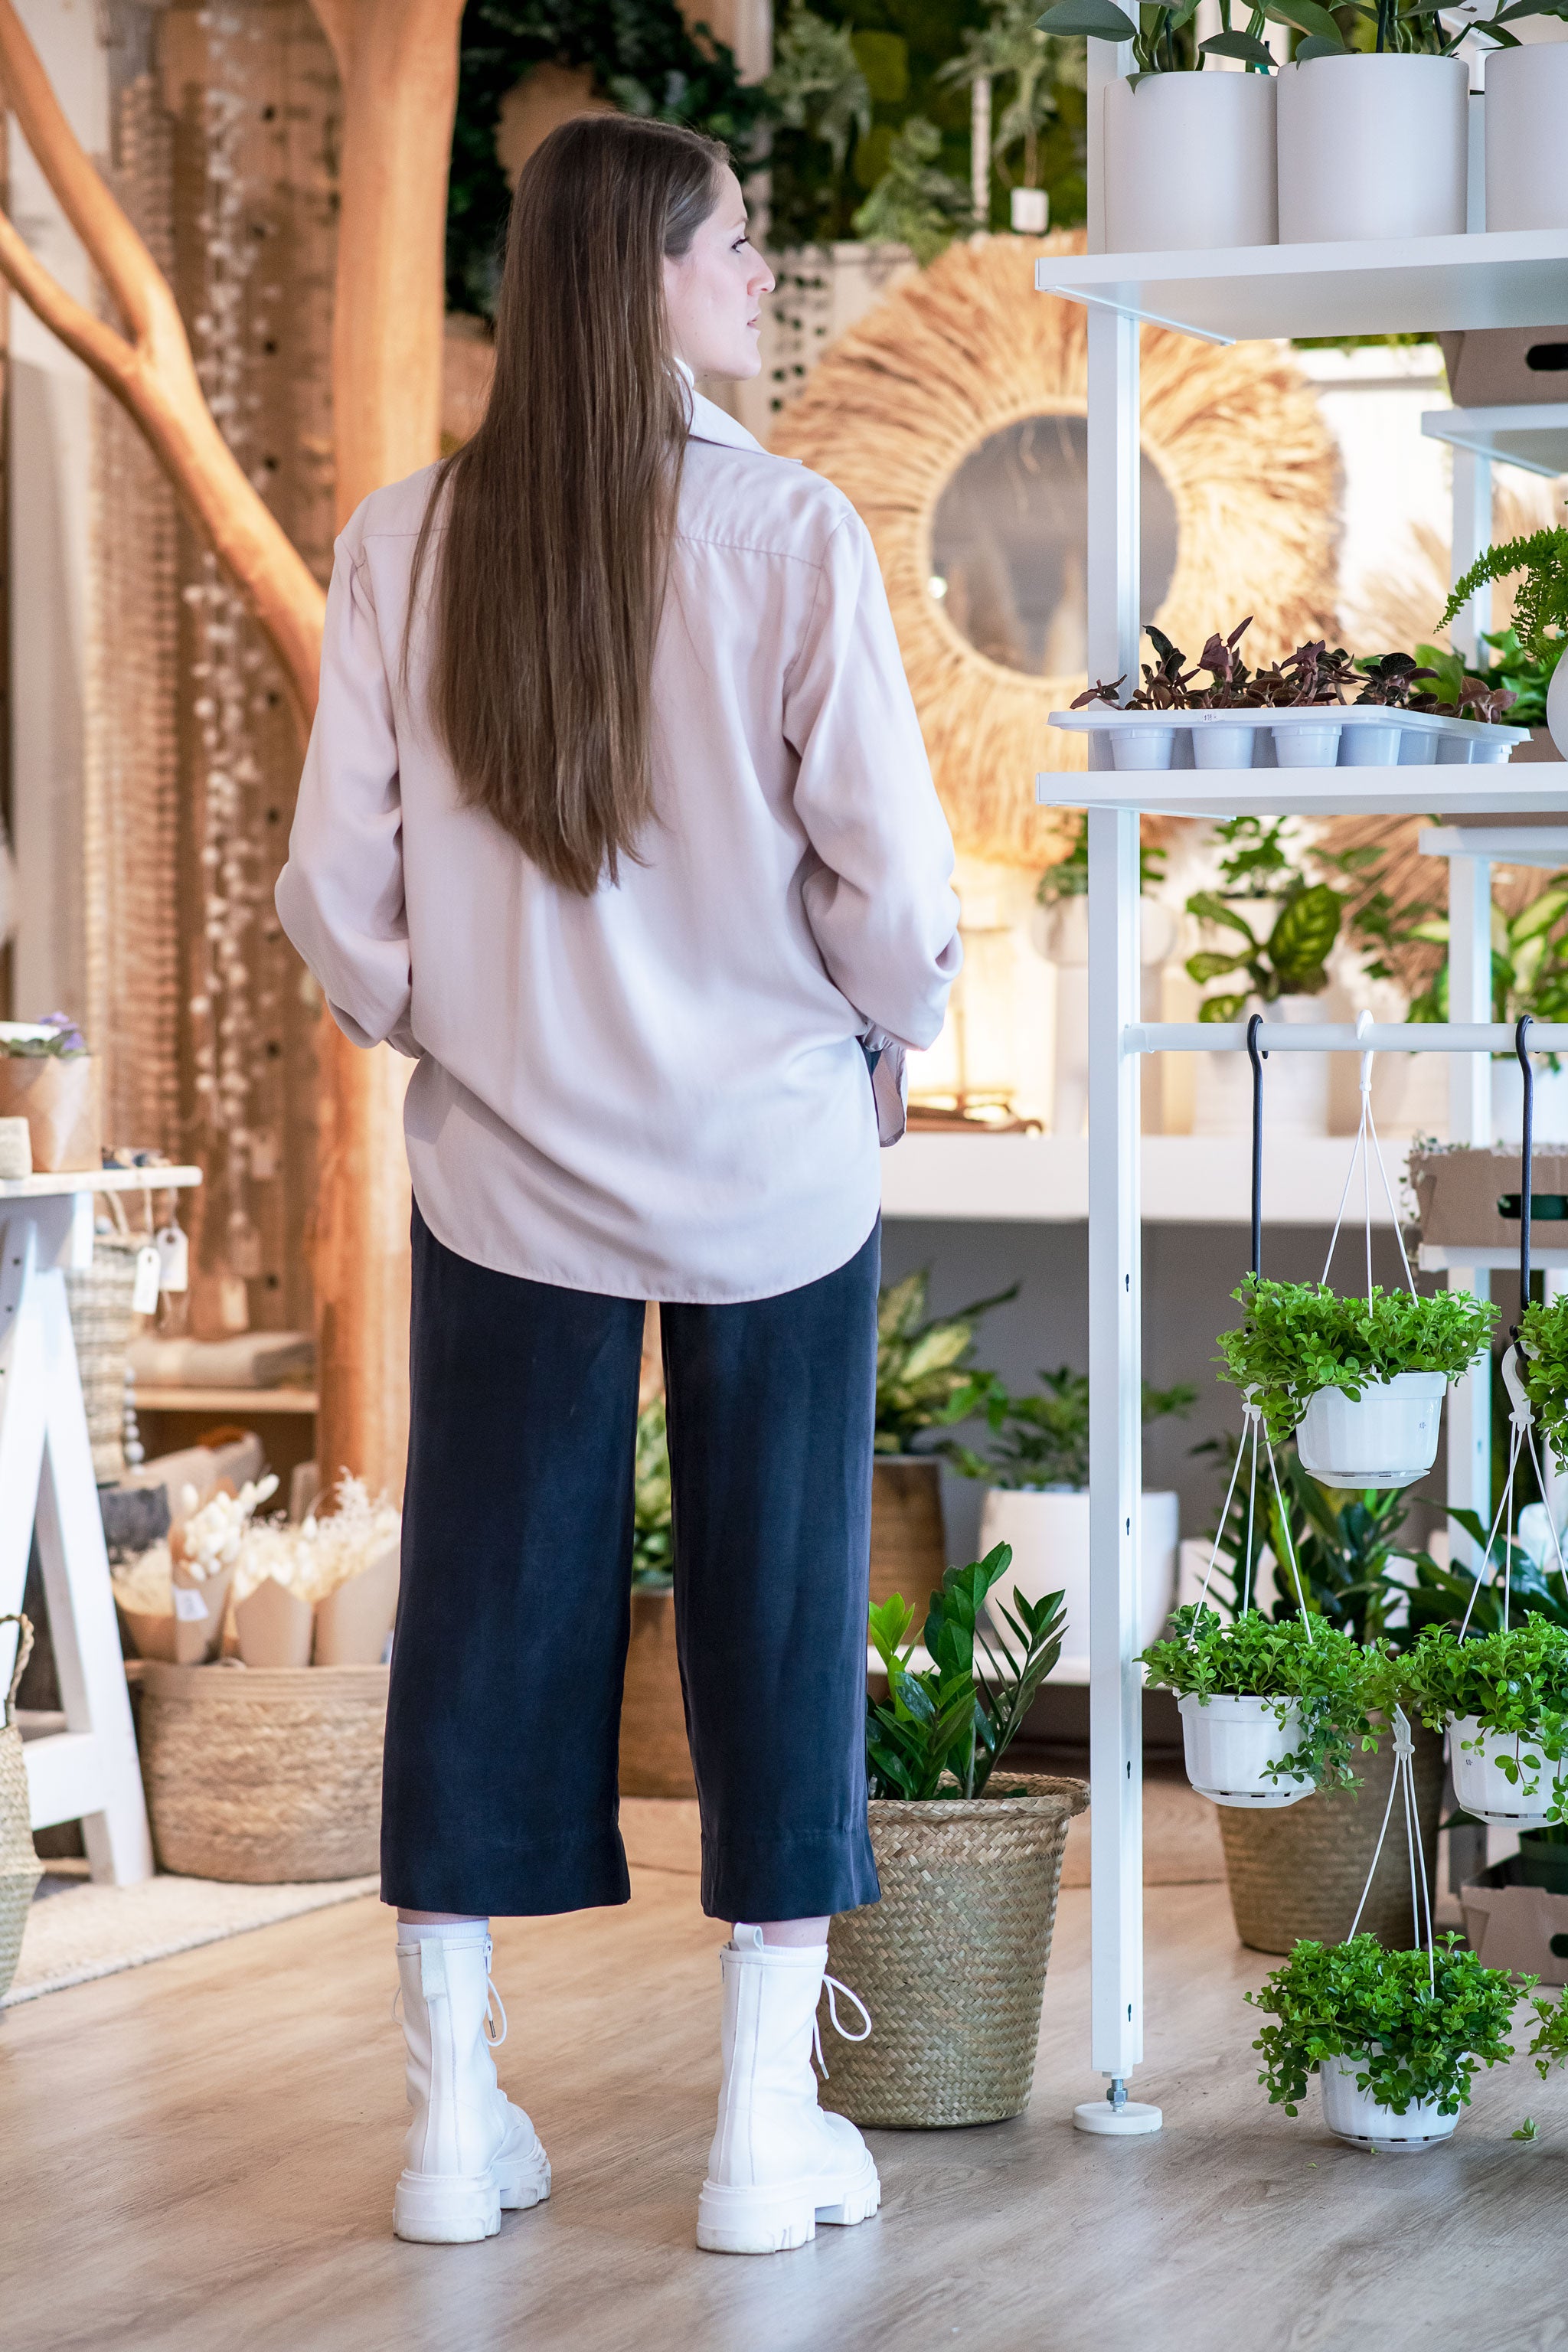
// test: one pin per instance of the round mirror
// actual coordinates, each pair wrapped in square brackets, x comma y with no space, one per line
[1007,542]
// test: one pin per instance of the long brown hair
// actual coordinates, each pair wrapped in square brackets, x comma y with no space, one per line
[555,519]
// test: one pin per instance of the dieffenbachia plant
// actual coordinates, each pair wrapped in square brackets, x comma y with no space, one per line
[1417,30]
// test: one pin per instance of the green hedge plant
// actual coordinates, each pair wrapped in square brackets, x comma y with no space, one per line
[1297,1338]
[1513,1681]
[1412,2043]
[1324,1672]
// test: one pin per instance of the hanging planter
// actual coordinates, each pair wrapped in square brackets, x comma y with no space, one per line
[1503,1698]
[1269,1711]
[1235,1749]
[1386,1436]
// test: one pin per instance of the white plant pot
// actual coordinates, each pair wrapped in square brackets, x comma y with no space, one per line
[1371,747]
[1307,743]
[1048,1530]
[1219,745]
[1229,1744]
[1030,211]
[1355,2115]
[1190,163]
[1371,147]
[1549,1110]
[1526,107]
[1557,708]
[1295,1085]
[1483,1788]
[1385,1437]
[1142,748]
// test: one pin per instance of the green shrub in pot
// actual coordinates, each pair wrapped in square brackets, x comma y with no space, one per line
[1504,1696]
[1297,1338]
[1543,1367]
[1310,1676]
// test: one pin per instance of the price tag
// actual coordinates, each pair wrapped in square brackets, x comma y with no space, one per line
[174,1259]
[190,1605]
[144,1291]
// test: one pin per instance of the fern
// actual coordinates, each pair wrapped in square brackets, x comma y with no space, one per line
[1541,601]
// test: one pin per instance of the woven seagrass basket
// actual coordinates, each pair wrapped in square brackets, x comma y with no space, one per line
[1299,1870]
[102,1322]
[19,1867]
[952,1962]
[264,1773]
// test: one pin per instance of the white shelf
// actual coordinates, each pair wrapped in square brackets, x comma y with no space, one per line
[1436,1258]
[1515,278]
[1187,1180]
[1530,787]
[1521,433]
[100,1180]
[1545,845]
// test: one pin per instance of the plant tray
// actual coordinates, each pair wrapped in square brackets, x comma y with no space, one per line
[1367,737]
[1470,1197]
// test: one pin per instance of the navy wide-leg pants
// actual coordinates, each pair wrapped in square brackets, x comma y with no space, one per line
[499,1792]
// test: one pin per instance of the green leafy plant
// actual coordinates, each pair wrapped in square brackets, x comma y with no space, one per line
[1411,27]
[1457,692]
[1441,1596]
[1530,960]
[1161,36]
[1069,877]
[1549,2046]
[1297,1338]
[1543,1363]
[1258,863]
[1012,51]
[653,1548]
[943,1729]
[1326,1673]
[923,1378]
[1043,1440]
[915,203]
[1416,2032]
[1526,672]
[1513,1681]
[1541,600]
[818,84]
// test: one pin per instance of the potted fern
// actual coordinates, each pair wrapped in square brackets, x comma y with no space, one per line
[1395,2037]
[1540,608]
[1360,1381]
[1036,1470]
[1270,1710]
[925,1382]
[952,1962]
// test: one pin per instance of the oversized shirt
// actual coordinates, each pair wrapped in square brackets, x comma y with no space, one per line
[658,1091]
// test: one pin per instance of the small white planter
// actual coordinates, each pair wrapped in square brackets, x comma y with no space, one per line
[1190,163]
[1526,107]
[1557,708]
[1371,147]
[1142,748]
[1048,1530]
[1355,2115]
[1385,1437]
[1307,743]
[1295,1085]
[1373,747]
[1230,1745]
[1217,745]
[1483,1789]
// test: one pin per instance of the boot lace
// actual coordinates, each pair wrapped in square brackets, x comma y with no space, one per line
[835,1986]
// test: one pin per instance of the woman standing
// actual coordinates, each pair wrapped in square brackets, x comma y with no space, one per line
[616,819]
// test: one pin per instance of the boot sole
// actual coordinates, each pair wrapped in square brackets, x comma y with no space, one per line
[776,2219]
[458,2209]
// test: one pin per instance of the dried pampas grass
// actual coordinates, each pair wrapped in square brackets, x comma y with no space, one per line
[966,349]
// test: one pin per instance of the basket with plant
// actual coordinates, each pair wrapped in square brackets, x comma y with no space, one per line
[926,1381]
[952,1962]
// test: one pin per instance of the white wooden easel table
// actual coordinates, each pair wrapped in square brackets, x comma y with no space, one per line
[88,1773]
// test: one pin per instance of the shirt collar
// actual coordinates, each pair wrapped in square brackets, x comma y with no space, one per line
[705,421]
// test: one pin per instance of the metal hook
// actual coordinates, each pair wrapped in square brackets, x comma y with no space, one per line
[1527,1148]
[1256,1057]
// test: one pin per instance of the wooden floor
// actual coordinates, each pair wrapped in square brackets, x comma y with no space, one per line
[198,2157]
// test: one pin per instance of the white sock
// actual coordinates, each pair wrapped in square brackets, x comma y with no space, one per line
[444,1931]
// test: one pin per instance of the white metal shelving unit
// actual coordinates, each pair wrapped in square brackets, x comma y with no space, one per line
[1475,280]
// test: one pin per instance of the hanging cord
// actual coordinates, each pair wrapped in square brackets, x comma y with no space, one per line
[1365,1148]
[1253,1414]
[1290,1543]
[1404,1782]
[1518,1424]
[834,1988]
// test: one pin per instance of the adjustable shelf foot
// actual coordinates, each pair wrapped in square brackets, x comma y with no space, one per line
[1116,2117]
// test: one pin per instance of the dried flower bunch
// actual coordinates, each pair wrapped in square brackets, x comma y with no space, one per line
[1315,677]
[312,1560]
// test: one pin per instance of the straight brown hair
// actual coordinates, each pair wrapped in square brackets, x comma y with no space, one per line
[555,519]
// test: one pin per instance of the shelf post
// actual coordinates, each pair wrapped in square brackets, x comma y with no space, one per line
[1472,531]
[1470,1121]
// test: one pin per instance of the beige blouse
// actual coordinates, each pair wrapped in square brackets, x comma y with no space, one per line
[658,1092]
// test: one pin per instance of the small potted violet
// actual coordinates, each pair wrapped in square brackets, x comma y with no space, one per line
[1393,2037]
[1359,1381]
[1270,1710]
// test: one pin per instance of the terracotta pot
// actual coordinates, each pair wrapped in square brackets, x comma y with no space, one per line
[655,1758]
[56,1093]
[908,1541]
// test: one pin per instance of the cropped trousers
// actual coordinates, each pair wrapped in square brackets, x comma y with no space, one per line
[499,1792]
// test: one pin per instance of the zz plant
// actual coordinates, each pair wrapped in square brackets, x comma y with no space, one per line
[943,1729]
[1416,2033]
[1325,1673]
[1297,1338]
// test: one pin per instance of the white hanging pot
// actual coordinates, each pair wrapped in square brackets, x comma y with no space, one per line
[1355,2115]
[1230,1745]
[1190,163]
[1048,1529]
[1385,1437]
[1373,147]
[1526,106]
[1295,1085]
[1483,1788]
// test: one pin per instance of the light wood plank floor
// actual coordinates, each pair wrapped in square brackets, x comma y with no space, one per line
[199,2155]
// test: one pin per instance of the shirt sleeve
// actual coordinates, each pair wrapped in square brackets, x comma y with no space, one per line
[340,896]
[880,903]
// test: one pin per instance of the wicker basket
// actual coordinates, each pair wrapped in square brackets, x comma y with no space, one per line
[264,1773]
[1299,1871]
[908,1542]
[19,1870]
[952,1962]
[655,1758]
[102,1324]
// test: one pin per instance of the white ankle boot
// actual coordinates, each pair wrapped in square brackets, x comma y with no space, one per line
[778,2164]
[469,2151]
